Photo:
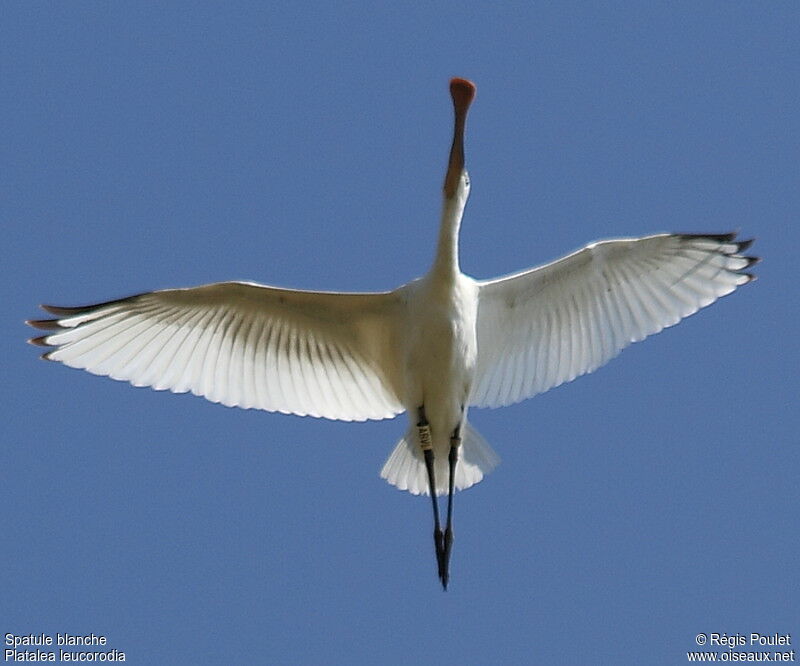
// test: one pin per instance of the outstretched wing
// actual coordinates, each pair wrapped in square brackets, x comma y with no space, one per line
[242,344]
[545,326]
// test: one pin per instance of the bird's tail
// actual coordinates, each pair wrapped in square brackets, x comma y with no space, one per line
[405,467]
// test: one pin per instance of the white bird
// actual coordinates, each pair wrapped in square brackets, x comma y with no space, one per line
[432,348]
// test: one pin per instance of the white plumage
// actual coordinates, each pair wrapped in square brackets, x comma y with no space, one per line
[432,347]
[244,345]
[549,325]
[340,356]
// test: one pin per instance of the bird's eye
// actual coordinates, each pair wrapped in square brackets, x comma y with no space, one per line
[466,179]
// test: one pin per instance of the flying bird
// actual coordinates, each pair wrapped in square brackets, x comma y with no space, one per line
[432,348]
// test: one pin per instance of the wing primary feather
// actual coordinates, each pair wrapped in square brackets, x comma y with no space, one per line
[235,372]
[660,274]
[696,265]
[208,367]
[558,343]
[597,325]
[315,370]
[720,238]
[295,373]
[40,341]
[323,366]
[44,324]
[116,333]
[524,376]
[346,364]
[260,348]
[506,373]
[151,368]
[540,377]
[250,390]
[571,331]
[317,375]
[68,336]
[304,368]
[665,311]
[280,361]
[634,304]
[62,312]
[126,355]
[624,308]
[332,371]
[174,367]
[582,332]
[217,374]
[193,354]
[275,387]
[646,299]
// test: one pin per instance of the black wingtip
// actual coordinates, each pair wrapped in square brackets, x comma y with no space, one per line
[40,341]
[44,324]
[721,238]
[752,261]
[61,311]
[725,241]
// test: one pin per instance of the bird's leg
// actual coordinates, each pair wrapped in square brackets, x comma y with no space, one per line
[452,458]
[424,431]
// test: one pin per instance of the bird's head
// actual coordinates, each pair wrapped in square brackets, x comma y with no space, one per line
[456,181]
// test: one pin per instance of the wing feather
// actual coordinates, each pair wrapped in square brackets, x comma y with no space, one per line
[542,327]
[242,344]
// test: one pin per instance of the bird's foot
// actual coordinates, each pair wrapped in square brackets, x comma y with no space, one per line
[444,568]
[438,542]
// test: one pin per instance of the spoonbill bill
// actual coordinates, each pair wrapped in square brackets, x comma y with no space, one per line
[431,348]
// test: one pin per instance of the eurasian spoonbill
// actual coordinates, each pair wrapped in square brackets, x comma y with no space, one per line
[432,348]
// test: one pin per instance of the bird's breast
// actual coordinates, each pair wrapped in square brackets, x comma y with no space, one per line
[442,346]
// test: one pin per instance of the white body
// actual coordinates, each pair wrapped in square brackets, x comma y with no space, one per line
[440,346]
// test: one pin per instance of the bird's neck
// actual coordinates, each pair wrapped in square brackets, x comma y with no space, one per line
[456,185]
[446,261]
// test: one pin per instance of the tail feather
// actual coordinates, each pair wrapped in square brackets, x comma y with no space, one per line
[405,467]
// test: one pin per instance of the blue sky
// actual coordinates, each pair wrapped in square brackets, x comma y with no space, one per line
[148,146]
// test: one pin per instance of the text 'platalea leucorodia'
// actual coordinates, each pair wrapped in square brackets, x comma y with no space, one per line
[433,347]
